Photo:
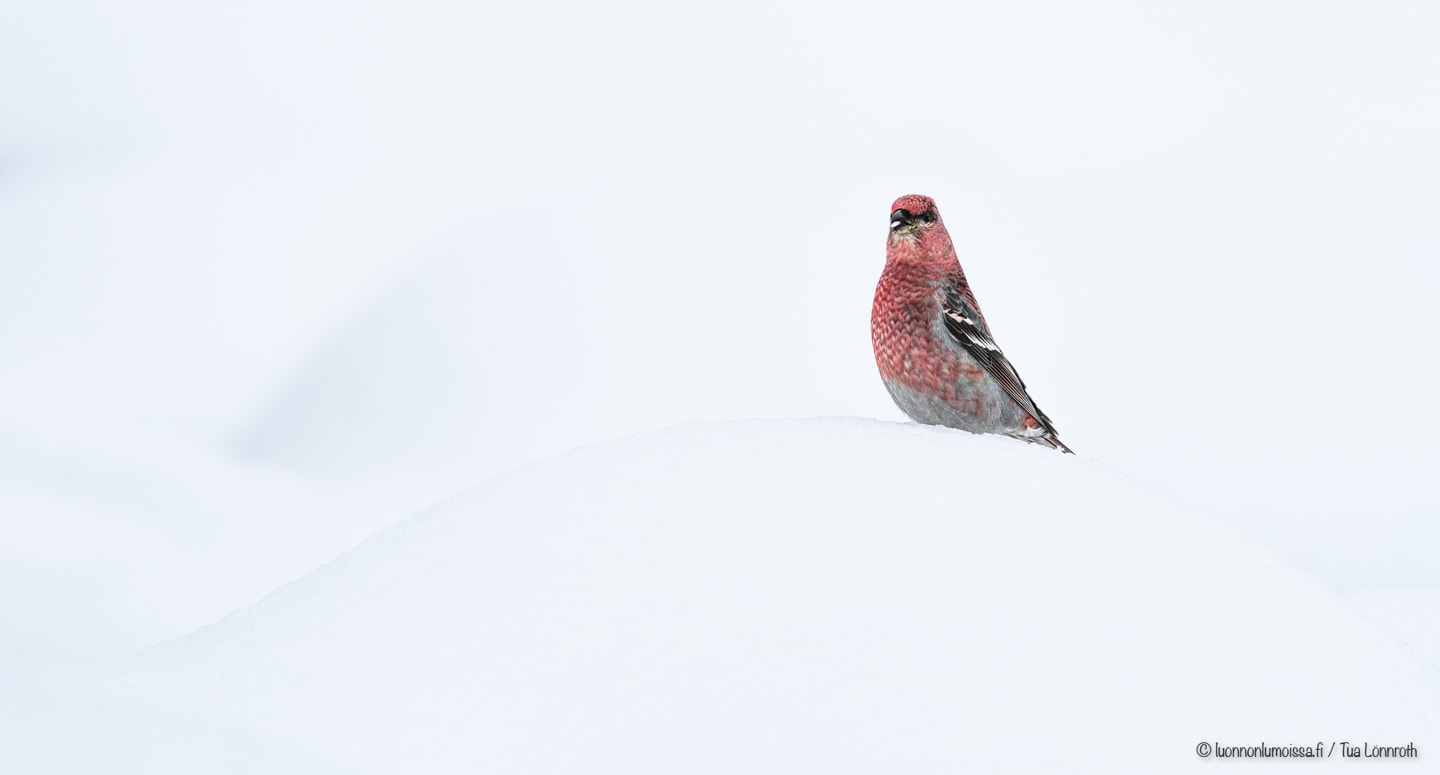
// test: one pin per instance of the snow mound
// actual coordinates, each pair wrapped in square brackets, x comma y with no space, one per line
[1410,614]
[797,596]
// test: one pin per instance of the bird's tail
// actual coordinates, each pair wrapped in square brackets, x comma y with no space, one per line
[1037,430]
[1054,441]
[1048,438]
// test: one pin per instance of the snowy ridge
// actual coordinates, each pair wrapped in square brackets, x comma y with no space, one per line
[823,595]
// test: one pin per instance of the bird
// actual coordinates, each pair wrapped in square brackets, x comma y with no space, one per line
[934,349]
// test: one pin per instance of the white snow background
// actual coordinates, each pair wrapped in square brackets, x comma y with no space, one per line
[274,276]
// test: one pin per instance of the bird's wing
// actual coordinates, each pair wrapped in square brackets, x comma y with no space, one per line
[967,327]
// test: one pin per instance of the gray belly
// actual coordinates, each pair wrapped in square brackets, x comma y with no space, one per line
[983,408]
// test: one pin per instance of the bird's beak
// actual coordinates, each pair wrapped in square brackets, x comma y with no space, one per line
[899,218]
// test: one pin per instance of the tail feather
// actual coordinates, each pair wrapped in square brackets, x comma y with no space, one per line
[1048,438]
[1054,441]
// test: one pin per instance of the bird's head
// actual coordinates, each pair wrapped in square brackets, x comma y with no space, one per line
[911,217]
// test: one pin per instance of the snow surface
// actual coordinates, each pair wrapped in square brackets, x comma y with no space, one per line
[1411,614]
[830,595]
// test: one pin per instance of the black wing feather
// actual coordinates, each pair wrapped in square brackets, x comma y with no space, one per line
[968,328]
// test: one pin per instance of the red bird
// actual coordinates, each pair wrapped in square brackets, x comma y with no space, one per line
[935,352]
